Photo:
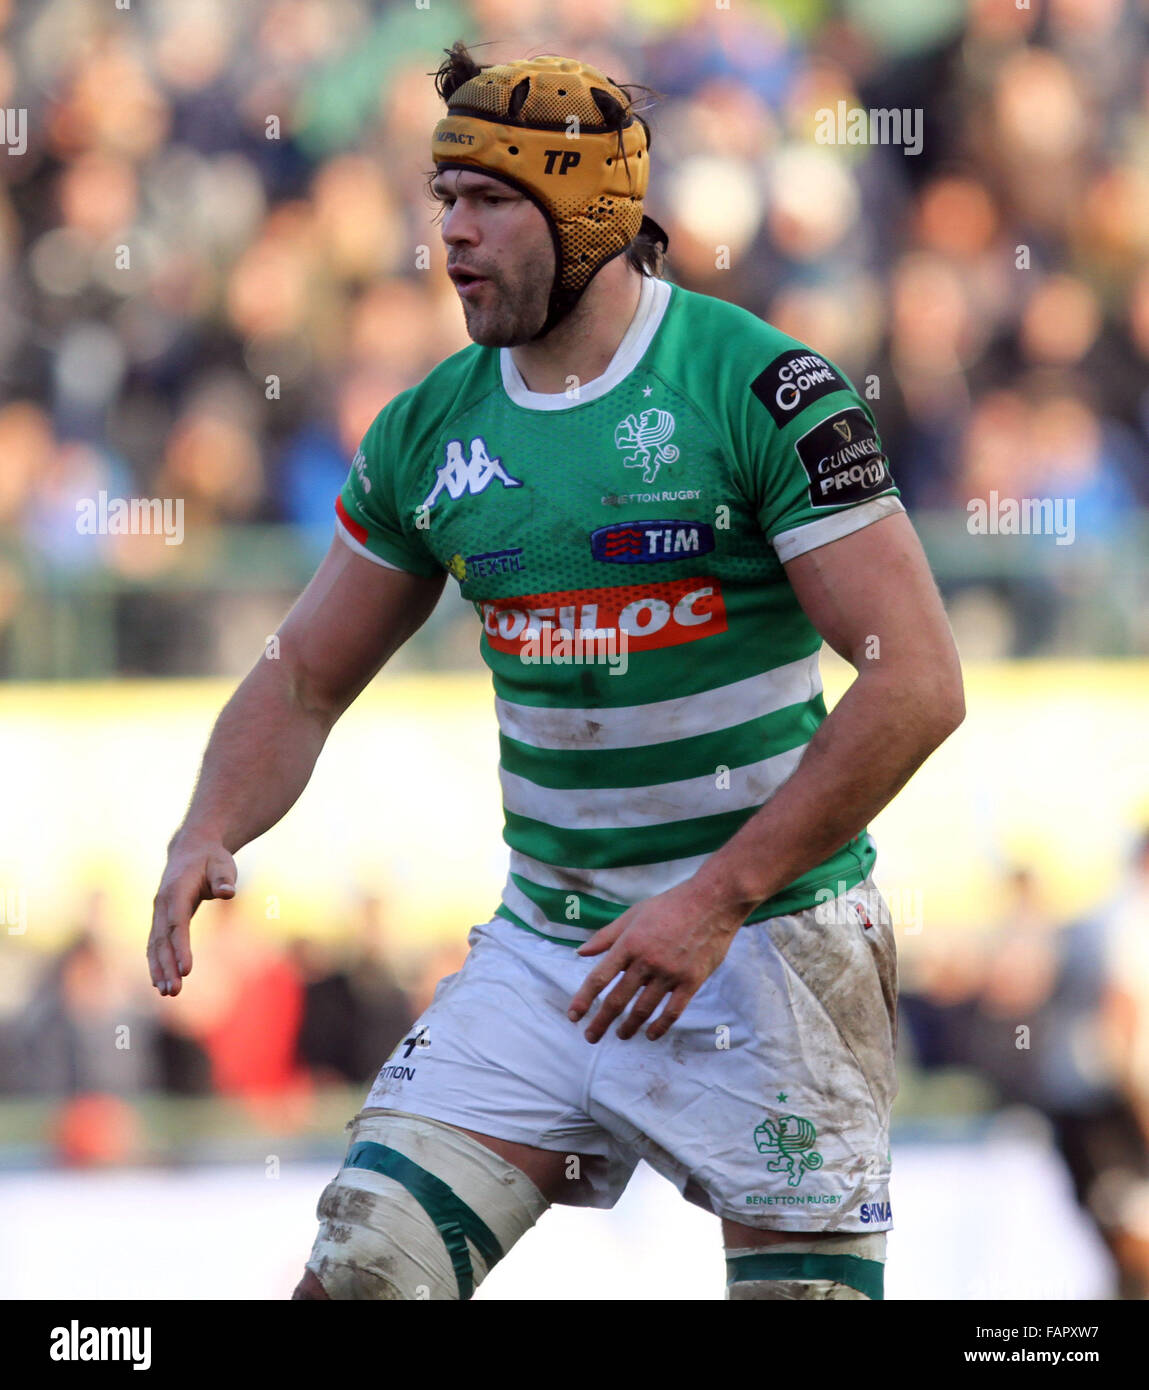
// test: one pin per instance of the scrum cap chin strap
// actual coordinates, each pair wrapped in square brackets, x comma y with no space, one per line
[564,135]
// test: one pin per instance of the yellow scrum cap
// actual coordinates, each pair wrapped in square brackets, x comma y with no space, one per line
[565,135]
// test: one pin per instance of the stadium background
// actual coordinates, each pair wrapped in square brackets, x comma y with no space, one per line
[137,1131]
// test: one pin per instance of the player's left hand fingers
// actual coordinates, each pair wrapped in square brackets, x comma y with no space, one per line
[672,1012]
[616,959]
[604,938]
[614,1003]
[643,1007]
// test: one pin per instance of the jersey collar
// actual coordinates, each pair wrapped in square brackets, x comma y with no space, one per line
[652,303]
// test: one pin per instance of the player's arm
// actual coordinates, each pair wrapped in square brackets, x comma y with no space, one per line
[872,597]
[353,615]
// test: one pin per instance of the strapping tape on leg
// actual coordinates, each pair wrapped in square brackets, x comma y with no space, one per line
[401,1218]
[454,1220]
[839,1267]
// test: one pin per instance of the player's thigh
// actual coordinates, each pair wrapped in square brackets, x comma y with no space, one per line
[548,1169]
[735,1236]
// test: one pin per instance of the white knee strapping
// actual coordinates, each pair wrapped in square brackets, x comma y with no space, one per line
[418,1210]
[779,1271]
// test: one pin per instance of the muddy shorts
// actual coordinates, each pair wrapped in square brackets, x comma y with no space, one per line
[767,1103]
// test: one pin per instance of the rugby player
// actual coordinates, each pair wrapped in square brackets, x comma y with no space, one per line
[660,506]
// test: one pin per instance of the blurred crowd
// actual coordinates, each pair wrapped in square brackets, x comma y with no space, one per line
[217,258]
[1053,1017]
[260,1017]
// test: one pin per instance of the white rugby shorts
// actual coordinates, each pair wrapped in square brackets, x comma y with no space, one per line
[767,1103]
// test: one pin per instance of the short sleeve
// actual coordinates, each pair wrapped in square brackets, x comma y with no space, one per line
[368,515]
[817,469]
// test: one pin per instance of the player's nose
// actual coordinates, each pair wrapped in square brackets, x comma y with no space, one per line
[459,226]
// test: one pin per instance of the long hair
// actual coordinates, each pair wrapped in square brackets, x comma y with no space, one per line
[644,253]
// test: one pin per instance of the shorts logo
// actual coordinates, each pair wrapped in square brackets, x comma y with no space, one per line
[843,460]
[791,382]
[657,615]
[791,1139]
[474,474]
[647,434]
[876,1211]
[420,1038]
[651,542]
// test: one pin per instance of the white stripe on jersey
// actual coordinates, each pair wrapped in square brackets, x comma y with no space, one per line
[633,883]
[663,721]
[622,808]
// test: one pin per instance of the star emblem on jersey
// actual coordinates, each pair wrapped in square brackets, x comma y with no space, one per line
[791,1139]
[646,390]
[646,435]
[472,474]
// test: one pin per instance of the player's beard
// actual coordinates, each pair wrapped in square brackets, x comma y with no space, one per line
[508,315]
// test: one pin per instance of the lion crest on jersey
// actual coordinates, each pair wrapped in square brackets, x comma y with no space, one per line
[646,435]
[791,1139]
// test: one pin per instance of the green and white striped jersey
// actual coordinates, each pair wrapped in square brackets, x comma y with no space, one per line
[623,544]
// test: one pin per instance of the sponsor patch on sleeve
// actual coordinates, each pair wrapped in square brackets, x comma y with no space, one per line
[791,382]
[843,459]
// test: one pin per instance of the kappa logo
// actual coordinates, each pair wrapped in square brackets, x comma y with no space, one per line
[651,542]
[473,474]
[791,1139]
[647,434]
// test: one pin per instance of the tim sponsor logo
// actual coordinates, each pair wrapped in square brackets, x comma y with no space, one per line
[651,542]
[76,1343]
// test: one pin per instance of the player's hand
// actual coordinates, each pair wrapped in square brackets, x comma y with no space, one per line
[194,873]
[667,945]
